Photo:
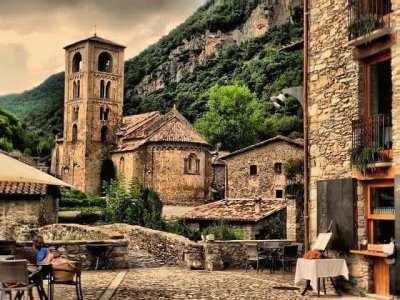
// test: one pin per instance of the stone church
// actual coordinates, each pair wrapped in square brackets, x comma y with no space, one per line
[164,151]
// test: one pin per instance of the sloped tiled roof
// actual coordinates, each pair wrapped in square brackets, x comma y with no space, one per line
[22,188]
[98,39]
[138,130]
[235,210]
[297,142]
[133,126]
[176,131]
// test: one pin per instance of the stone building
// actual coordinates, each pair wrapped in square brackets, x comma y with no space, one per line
[165,152]
[257,170]
[25,206]
[353,109]
[244,214]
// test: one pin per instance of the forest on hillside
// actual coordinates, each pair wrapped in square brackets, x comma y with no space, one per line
[259,64]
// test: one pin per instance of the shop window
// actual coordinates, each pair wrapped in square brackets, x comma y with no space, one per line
[253,170]
[278,194]
[380,212]
[278,168]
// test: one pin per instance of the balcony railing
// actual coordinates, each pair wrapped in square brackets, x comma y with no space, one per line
[374,132]
[365,16]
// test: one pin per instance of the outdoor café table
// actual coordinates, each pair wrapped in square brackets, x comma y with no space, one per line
[101,256]
[314,269]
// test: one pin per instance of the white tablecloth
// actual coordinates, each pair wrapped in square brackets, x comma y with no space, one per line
[312,269]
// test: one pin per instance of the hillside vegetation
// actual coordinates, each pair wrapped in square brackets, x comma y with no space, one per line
[257,64]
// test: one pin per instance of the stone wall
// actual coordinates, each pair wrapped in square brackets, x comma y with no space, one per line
[161,167]
[173,249]
[218,180]
[336,97]
[71,241]
[240,184]
[220,255]
[19,214]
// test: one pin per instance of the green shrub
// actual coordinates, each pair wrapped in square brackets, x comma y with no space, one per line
[140,206]
[179,227]
[274,227]
[223,231]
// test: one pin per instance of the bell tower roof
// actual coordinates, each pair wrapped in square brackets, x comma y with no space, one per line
[96,38]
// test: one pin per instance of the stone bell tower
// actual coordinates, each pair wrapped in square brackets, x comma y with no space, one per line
[94,82]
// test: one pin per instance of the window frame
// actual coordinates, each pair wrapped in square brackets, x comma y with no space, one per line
[371,217]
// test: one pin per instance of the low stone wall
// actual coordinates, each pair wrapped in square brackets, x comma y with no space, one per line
[172,248]
[228,254]
[71,241]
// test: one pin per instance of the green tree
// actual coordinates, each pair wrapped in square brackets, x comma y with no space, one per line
[233,117]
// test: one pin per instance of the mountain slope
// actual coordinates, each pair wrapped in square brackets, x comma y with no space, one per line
[225,41]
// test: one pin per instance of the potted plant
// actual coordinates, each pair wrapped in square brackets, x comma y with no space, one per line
[364,25]
[363,158]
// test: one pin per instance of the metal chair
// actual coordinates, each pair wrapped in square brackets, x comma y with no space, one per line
[57,273]
[7,247]
[299,249]
[289,255]
[14,271]
[254,255]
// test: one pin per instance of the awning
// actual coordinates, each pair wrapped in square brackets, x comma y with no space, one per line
[13,170]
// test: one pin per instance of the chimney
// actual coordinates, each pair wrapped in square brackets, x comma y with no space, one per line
[257,204]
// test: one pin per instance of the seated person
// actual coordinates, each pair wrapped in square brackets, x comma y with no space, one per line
[42,252]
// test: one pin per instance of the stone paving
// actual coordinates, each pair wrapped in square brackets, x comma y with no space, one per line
[151,279]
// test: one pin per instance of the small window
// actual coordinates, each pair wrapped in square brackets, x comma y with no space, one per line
[105,62]
[104,113]
[75,114]
[253,170]
[191,165]
[103,135]
[279,194]
[278,168]
[102,89]
[107,93]
[121,165]
[77,63]
[74,133]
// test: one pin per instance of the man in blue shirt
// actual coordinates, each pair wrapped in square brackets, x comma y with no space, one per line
[42,252]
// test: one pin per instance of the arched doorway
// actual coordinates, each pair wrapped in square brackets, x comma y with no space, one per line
[107,172]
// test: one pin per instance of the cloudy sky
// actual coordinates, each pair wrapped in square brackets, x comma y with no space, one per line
[33,33]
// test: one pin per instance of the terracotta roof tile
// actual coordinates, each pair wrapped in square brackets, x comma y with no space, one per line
[98,39]
[236,210]
[138,130]
[176,131]
[297,142]
[22,188]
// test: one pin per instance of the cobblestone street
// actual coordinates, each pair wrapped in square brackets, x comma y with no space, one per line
[150,278]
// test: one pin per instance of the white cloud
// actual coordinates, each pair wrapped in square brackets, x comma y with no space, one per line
[34,32]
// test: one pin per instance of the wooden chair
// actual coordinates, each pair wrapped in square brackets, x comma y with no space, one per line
[71,276]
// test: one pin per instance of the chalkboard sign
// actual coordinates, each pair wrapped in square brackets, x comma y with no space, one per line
[335,201]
